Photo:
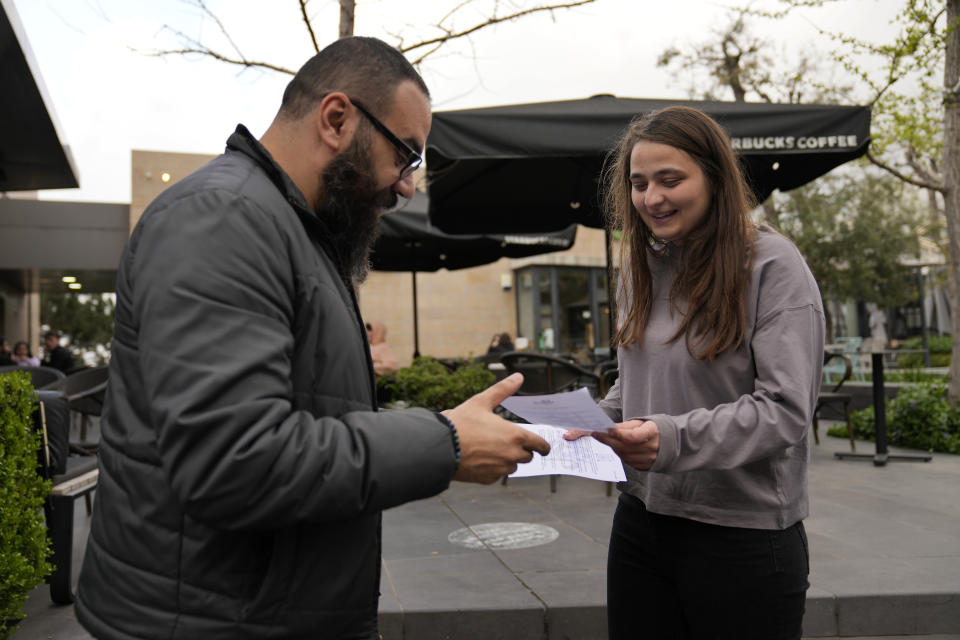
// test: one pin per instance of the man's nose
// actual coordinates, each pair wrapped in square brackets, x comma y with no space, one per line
[404,186]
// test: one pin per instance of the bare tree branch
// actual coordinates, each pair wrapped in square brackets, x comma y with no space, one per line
[903,176]
[223,30]
[453,35]
[927,174]
[306,21]
[193,46]
[348,10]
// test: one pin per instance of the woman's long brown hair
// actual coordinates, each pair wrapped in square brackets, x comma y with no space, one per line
[716,256]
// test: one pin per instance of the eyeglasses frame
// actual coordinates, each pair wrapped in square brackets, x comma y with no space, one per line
[412,158]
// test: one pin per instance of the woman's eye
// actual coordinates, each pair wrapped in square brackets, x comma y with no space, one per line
[639,186]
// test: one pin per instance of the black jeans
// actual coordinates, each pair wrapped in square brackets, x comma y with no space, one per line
[672,578]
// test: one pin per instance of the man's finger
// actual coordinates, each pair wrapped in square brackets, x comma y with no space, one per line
[533,442]
[492,396]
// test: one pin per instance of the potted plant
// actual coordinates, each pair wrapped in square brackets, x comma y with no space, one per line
[24,546]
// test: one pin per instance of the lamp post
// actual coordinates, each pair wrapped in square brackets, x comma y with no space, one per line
[924,330]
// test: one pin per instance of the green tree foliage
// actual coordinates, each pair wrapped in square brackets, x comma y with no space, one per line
[86,319]
[852,227]
[24,547]
[916,109]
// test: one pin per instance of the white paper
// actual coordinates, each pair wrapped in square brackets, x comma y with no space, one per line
[584,457]
[570,410]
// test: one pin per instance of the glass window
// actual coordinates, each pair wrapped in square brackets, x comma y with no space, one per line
[602,346]
[546,338]
[526,325]
[564,310]
[576,334]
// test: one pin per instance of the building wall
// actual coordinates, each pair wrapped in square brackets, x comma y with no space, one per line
[459,311]
[21,317]
[148,171]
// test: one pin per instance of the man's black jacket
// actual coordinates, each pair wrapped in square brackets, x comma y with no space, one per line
[243,463]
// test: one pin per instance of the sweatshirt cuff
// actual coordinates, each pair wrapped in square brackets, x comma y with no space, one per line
[669,442]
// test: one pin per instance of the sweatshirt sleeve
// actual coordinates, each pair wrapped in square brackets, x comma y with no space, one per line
[611,404]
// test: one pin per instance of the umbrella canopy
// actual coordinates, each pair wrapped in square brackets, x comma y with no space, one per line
[536,167]
[408,242]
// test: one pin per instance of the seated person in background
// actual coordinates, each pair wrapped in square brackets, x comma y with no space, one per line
[5,359]
[384,360]
[54,355]
[23,357]
[500,343]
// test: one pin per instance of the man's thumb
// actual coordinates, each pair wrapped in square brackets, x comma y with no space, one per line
[493,395]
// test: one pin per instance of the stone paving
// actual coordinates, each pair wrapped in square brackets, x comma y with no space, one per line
[885,558]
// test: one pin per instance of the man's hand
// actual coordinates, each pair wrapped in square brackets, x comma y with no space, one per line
[637,442]
[491,447]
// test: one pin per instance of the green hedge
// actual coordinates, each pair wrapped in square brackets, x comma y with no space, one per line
[941,348]
[428,383]
[24,547]
[919,417]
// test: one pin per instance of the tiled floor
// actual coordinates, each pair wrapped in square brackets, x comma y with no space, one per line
[885,545]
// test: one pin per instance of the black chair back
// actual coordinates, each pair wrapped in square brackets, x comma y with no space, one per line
[549,374]
[51,418]
[86,384]
[39,376]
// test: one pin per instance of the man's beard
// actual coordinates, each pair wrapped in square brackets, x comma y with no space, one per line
[350,206]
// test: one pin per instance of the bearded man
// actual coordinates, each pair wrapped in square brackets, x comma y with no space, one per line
[243,463]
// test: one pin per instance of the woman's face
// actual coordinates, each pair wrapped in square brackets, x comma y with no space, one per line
[21,350]
[668,190]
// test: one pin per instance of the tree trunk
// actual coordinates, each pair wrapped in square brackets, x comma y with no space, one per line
[347,10]
[951,182]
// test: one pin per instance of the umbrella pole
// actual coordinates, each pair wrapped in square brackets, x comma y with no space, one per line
[416,327]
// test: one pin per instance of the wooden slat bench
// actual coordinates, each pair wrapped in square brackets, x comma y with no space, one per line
[80,479]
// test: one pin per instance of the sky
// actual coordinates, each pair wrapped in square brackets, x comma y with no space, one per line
[109,97]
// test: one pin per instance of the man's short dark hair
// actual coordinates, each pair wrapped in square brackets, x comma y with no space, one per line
[52,333]
[366,69]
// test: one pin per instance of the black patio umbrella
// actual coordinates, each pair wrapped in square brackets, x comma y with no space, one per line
[535,167]
[408,242]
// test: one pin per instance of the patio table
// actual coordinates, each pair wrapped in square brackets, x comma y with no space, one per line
[881,456]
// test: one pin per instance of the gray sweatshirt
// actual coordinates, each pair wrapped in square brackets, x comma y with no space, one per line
[733,432]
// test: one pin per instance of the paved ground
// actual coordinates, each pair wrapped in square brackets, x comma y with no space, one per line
[885,545]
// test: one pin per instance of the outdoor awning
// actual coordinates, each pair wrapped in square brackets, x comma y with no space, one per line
[408,242]
[536,167]
[32,155]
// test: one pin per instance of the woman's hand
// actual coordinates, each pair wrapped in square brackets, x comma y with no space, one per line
[636,442]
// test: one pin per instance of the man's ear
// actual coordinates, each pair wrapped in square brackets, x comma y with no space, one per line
[333,121]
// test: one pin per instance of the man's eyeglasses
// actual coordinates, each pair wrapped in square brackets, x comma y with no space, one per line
[411,158]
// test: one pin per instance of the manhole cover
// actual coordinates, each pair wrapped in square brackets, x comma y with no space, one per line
[504,535]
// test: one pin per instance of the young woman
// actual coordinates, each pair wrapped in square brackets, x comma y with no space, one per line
[720,342]
[23,357]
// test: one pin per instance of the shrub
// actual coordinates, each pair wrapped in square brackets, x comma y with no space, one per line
[24,548]
[919,417]
[941,348]
[429,384]
[914,375]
